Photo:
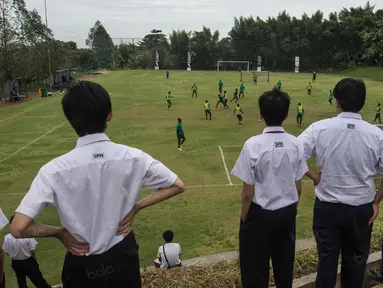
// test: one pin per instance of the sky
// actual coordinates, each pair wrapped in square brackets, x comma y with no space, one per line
[70,20]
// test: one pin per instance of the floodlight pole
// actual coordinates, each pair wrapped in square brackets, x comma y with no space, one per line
[49,52]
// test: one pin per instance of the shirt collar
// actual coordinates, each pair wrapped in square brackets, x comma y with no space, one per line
[350,115]
[273,129]
[91,138]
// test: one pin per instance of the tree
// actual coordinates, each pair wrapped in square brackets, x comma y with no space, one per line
[102,45]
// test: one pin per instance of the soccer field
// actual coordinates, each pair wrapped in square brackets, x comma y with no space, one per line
[205,218]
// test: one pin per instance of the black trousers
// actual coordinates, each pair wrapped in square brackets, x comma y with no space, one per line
[181,139]
[195,92]
[118,267]
[377,117]
[2,283]
[30,268]
[207,113]
[267,234]
[340,228]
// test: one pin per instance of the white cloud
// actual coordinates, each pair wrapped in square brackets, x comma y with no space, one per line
[72,19]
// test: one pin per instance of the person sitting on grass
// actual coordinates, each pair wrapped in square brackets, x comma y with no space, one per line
[168,255]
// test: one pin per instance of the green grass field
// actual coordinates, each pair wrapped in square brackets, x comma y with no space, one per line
[205,218]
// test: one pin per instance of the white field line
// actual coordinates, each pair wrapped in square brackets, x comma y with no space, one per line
[142,75]
[224,165]
[231,146]
[30,143]
[21,113]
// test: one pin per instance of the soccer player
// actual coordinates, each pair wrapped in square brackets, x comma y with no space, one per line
[241,91]
[377,116]
[168,97]
[194,90]
[271,166]
[309,87]
[167,75]
[238,111]
[235,96]
[314,76]
[207,109]
[225,100]
[255,78]
[300,113]
[330,97]
[180,134]
[279,85]
[220,86]
[220,100]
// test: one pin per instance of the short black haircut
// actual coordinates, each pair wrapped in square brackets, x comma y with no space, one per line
[168,236]
[87,105]
[10,220]
[350,94]
[274,106]
[206,101]
[299,104]
[378,104]
[179,120]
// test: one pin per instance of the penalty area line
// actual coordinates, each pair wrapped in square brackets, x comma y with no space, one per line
[225,166]
[30,143]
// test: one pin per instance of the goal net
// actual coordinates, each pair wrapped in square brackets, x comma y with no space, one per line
[262,76]
[233,66]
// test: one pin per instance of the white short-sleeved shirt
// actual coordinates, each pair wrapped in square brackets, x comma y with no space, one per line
[349,152]
[273,162]
[94,187]
[172,251]
[19,249]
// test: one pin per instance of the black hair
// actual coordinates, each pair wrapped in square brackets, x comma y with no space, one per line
[274,106]
[206,101]
[350,94]
[238,105]
[169,92]
[378,104]
[179,120]
[87,105]
[10,220]
[299,104]
[168,236]
[224,91]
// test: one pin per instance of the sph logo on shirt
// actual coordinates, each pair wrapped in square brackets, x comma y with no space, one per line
[350,126]
[278,144]
[98,156]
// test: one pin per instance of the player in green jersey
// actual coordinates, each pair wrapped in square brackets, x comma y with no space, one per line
[330,97]
[168,97]
[241,91]
[309,88]
[378,111]
[220,100]
[194,90]
[300,113]
[180,134]
[207,108]
[220,86]
[279,85]
[235,96]
[238,111]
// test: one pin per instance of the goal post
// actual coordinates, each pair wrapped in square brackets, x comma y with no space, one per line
[262,76]
[233,66]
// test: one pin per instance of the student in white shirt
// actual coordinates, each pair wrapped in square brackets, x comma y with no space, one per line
[24,262]
[95,188]
[349,154]
[169,253]
[271,166]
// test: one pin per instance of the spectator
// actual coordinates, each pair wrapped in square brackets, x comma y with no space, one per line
[169,254]
[24,262]
[349,153]
[95,188]
[272,163]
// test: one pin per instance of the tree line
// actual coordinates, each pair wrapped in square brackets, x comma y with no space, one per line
[348,38]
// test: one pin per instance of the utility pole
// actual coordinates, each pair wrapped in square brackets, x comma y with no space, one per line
[49,52]
[7,76]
